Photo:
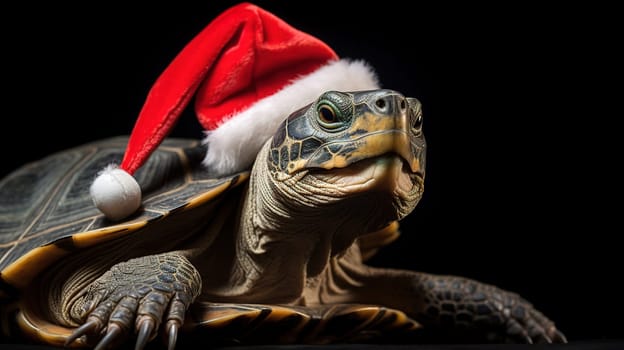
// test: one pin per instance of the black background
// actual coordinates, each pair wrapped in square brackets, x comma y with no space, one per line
[522,186]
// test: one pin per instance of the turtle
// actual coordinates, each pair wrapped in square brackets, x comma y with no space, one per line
[272,254]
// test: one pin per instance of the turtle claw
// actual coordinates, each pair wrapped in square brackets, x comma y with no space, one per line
[89,327]
[146,330]
[527,339]
[517,333]
[559,337]
[114,335]
[172,335]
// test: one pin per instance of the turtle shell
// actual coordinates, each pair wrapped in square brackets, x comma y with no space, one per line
[46,211]
[46,214]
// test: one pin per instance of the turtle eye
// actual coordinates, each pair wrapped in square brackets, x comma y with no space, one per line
[415,113]
[328,115]
[418,121]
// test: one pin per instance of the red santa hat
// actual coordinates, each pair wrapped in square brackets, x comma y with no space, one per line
[248,71]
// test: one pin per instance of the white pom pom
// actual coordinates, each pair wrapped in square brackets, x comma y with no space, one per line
[116,193]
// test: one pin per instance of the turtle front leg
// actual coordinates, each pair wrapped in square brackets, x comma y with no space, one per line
[460,307]
[135,297]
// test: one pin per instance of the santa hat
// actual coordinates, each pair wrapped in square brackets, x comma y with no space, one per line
[248,71]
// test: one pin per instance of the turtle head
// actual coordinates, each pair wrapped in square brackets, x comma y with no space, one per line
[353,143]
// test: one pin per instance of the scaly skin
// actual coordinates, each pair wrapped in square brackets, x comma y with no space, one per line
[462,305]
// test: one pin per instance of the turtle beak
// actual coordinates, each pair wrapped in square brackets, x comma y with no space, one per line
[386,123]
[392,134]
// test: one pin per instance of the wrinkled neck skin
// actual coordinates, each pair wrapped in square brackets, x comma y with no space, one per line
[290,228]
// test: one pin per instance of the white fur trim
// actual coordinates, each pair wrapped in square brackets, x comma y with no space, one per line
[116,193]
[234,144]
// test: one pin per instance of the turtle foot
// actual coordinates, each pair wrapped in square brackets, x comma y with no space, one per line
[134,298]
[480,309]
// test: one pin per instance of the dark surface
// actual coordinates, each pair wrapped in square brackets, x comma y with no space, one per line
[522,189]
[595,345]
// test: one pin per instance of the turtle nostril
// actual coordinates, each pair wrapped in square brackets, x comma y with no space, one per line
[402,105]
[381,103]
